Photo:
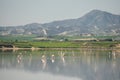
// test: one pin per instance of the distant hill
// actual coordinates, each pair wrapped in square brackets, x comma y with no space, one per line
[95,22]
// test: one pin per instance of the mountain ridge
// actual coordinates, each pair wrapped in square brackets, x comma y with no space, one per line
[95,22]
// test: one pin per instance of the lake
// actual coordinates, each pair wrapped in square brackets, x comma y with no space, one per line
[60,65]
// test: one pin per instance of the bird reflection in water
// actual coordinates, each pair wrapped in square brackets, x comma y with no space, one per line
[44,61]
[19,58]
[114,54]
[62,58]
[52,58]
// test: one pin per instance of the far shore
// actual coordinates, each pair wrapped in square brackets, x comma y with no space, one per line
[33,49]
[57,45]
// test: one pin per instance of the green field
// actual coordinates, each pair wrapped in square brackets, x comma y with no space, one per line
[68,42]
[13,38]
[32,37]
[63,44]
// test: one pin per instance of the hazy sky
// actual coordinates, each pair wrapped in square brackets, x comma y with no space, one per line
[20,12]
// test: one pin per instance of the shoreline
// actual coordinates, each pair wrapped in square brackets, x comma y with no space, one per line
[52,48]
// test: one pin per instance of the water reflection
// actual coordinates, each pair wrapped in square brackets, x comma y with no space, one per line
[62,57]
[19,58]
[83,64]
[52,58]
[44,61]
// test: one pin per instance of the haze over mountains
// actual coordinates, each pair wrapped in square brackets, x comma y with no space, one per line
[95,22]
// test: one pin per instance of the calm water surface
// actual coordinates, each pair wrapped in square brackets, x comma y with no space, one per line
[60,65]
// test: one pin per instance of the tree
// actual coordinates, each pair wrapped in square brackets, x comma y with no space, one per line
[16,40]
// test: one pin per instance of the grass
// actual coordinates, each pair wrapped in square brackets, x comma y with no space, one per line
[46,44]
[13,38]
[63,44]
[27,41]
[105,43]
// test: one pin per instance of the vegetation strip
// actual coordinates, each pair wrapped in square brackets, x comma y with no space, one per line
[58,44]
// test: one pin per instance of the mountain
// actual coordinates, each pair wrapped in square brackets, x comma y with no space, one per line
[96,22]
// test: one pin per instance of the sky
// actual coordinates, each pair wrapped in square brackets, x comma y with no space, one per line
[21,12]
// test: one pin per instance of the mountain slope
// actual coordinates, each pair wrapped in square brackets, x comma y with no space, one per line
[95,22]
